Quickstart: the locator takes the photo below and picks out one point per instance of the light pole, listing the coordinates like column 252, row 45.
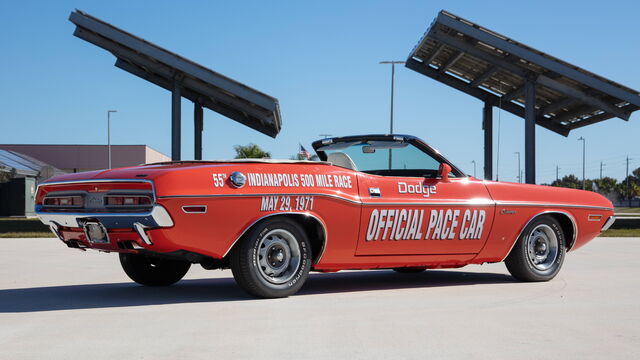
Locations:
column 584, row 142
column 393, row 75
column 109, row 133
column 474, row 167
column 519, row 175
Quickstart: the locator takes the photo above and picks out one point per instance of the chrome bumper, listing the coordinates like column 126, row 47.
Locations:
column 157, row 217
column 608, row 223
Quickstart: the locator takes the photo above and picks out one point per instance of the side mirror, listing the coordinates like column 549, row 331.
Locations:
column 443, row 172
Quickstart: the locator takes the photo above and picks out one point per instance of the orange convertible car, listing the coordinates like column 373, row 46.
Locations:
column 376, row 201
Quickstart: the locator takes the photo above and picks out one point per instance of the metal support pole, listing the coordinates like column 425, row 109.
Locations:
column 519, row 172
column 176, row 97
column 530, row 132
column 583, row 160
column 487, row 126
column 197, row 129
column 393, row 73
column 109, row 134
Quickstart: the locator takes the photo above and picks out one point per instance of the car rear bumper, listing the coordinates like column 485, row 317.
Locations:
column 157, row 217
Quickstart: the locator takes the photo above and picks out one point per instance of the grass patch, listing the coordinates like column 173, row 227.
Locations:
column 22, row 228
column 27, row 235
column 623, row 210
column 621, row 233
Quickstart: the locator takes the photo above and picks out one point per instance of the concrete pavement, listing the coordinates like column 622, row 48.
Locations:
column 59, row 303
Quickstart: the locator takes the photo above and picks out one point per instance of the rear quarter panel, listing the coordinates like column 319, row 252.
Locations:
column 231, row 211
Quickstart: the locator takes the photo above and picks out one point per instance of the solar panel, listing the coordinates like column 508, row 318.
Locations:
column 495, row 68
column 198, row 83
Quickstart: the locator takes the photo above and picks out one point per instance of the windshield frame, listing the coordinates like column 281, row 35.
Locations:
column 412, row 140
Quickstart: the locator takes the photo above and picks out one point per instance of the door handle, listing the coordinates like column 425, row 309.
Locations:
column 374, row 192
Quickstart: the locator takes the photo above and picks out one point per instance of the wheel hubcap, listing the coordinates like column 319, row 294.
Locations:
column 278, row 256
column 542, row 247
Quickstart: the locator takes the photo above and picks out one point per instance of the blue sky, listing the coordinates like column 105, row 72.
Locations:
column 320, row 59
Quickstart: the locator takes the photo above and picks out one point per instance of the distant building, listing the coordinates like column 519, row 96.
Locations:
column 19, row 175
column 22, row 167
column 78, row 158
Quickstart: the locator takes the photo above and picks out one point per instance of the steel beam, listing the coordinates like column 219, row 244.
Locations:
column 176, row 98
column 197, row 131
column 478, row 93
column 435, row 53
column 582, row 96
column 597, row 118
column 484, row 76
column 556, row 106
column 452, row 60
column 512, row 94
column 487, row 126
column 470, row 49
column 530, row 131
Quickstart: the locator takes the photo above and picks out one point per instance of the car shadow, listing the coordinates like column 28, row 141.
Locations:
column 72, row 297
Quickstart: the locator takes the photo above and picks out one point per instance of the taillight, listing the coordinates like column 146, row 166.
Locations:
column 129, row 200
column 63, row 201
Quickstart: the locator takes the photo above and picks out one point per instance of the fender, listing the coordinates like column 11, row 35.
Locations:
column 569, row 216
column 319, row 221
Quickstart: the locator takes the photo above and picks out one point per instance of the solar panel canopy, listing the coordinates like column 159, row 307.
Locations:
column 198, row 83
column 495, row 69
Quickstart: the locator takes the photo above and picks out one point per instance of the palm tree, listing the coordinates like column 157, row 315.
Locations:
column 250, row 151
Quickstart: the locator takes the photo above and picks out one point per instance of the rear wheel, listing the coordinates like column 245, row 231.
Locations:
column 539, row 252
column 153, row 271
column 273, row 259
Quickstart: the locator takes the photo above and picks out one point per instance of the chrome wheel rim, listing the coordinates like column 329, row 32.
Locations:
column 542, row 247
column 278, row 256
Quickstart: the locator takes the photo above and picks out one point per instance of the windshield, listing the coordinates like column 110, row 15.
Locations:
column 383, row 158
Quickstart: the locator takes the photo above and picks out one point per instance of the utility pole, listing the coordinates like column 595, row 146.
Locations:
column 601, row 165
column 519, row 174
column 628, row 190
column 557, row 177
column 474, row 167
column 393, row 75
column 583, row 157
column 109, row 133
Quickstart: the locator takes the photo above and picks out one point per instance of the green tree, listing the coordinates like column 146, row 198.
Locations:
column 606, row 185
column 250, row 151
column 569, row 181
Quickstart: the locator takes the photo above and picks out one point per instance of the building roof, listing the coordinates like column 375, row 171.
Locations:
column 494, row 69
column 24, row 165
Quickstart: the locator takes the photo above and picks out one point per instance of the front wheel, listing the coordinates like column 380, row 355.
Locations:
column 273, row 259
column 151, row 271
column 539, row 252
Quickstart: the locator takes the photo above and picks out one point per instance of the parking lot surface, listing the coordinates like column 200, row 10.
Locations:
column 59, row 303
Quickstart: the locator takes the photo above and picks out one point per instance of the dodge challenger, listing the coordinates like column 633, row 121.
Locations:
column 370, row 202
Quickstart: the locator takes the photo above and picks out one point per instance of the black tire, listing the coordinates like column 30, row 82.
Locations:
column 153, row 271
column 273, row 259
column 409, row 270
column 529, row 259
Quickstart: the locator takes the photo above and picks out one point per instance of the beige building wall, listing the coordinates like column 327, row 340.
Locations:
column 78, row 158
